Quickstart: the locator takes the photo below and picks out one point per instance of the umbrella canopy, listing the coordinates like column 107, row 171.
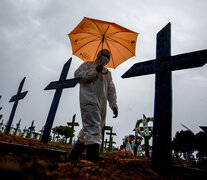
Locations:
column 92, row 35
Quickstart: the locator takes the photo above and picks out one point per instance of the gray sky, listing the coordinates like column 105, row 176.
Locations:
column 34, row 44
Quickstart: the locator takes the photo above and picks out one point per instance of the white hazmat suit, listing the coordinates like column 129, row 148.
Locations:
column 95, row 89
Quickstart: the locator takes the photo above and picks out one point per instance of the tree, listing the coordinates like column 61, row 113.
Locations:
column 65, row 131
column 201, row 143
column 184, row 141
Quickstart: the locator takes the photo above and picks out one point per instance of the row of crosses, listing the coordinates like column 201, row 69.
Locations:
column 26, row 132
column 59, row 86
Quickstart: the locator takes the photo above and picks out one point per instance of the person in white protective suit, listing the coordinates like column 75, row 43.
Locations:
column 96, row 87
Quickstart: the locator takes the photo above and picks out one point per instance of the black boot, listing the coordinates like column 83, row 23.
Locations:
column 92, row 152
column 76, row 151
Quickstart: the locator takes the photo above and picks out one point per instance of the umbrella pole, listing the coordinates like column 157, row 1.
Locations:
column 102, row 47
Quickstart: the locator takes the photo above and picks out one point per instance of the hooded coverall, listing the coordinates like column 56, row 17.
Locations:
column 95, row 89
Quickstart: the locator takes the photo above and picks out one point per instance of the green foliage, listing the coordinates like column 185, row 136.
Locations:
column 201, row 143
column 139, row 121
column 184, row 141
column 65, row 131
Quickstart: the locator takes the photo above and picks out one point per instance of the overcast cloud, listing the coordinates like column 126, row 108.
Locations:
column 34, row 44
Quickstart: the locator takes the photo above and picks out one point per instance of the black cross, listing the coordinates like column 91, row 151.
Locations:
column 20, row 95
column 162, row 67
column 105, row 128
column 17, row 127
column 30, row 130
column 72, row 124
column 111, row 138
column 59, row 86
column 108, row 142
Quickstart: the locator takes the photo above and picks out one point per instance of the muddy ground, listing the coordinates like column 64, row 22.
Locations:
column 32, row 164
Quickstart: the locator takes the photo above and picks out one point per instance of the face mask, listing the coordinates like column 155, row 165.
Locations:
column 105, row 58
column 102, row 60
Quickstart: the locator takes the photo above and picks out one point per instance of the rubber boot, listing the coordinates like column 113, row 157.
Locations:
column 92, row 152
column 76, row 151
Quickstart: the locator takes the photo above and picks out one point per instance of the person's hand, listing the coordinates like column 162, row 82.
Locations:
column 99, row 68
column 115, row 111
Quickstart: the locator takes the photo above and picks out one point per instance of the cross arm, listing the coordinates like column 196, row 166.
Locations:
column 18, row 96
column 63, row 84
column 73, row 124
column 113, row 134
column 107, row 128
column 171, row 63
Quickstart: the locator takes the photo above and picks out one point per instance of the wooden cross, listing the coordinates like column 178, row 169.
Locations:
column 30, row 130
column 111, row 139
column 72, row 124
column 59, row 86
column 20, row 95
column 109, row 142
column 105, row 128
column 162, row 67
column 17, row 127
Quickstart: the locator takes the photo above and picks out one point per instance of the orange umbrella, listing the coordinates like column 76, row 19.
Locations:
column 92, row 35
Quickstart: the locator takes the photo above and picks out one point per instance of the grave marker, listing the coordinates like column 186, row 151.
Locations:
column 59, row 86
column 1, row 125
column 17, row 127
column 30, row 130
column 145, row 132
column 111, row 138
column 162, row 67
column 105, row 128
column 72, row 124
column 20, row 95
